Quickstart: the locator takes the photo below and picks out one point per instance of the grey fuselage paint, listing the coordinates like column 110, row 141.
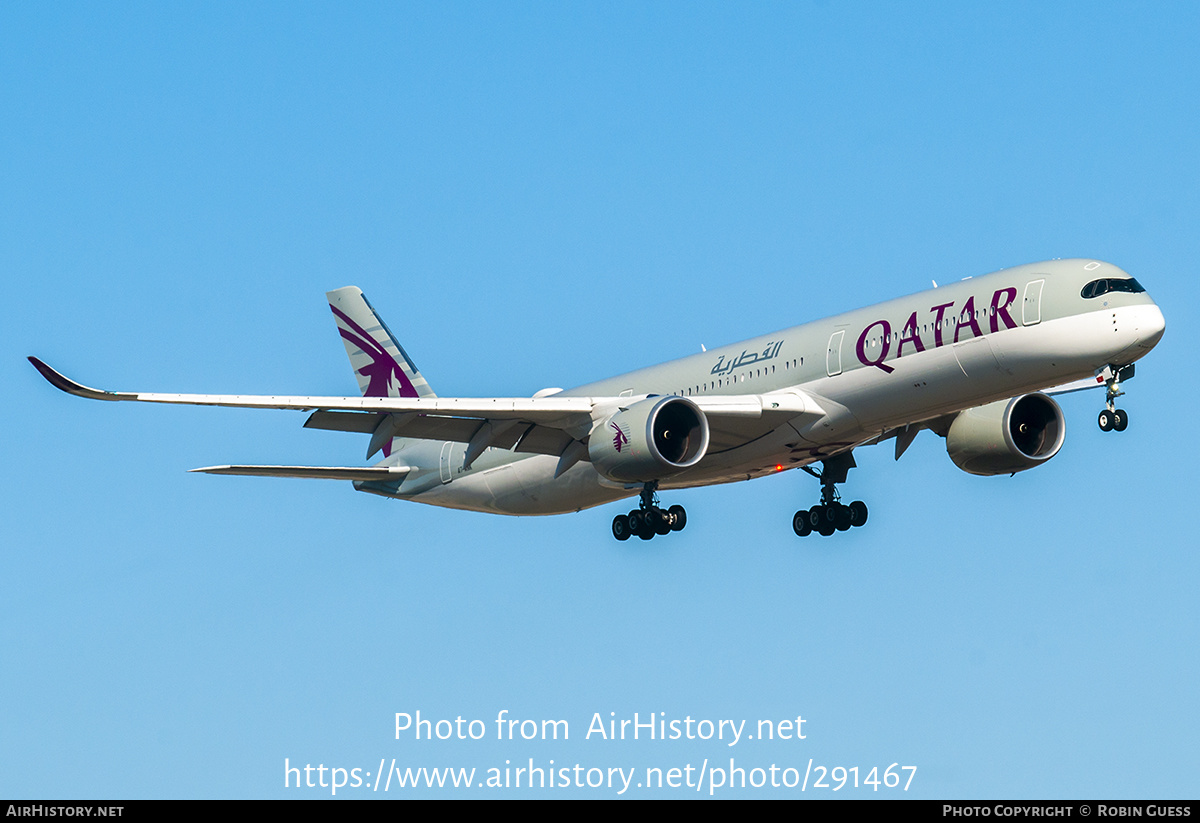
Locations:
column 905, row 361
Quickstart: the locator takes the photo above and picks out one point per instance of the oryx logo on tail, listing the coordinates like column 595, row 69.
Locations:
column 384, row 376
column 380, row 364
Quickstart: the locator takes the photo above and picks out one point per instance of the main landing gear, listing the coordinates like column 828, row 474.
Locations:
column 830, row 514
column 1112, row 418
column 648, row 519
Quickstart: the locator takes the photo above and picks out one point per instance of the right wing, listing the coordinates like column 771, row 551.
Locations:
column 539, row 425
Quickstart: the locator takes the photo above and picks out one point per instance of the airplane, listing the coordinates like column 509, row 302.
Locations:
column 976, row 362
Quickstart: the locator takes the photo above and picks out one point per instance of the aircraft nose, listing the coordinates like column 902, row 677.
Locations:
column 1151, row 326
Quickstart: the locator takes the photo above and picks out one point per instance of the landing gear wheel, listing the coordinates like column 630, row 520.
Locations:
column 678, row 517
column 620, row 527
column 648, row 519
column 1107, row 420
column 1120, row 420
column 822, row 520
column 842, row 519
column 636, row 522
column 831, row 514
column 816, row 516
column 659, row 521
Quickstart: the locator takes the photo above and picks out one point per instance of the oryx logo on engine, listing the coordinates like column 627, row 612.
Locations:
column 620, row 439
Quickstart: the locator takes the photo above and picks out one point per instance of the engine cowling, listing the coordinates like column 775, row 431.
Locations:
column 1006, row 436
column 649, row 440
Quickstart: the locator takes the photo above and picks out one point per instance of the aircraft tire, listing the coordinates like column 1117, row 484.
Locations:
column 800, row 524
column 842, row 519
column 620, row 527
column 1120, row 420
column 858, row 513
column 826, row 528
column 678, row 517
column 653, row 519
column 636, row 521
column 1106, row 421
column 816, row 516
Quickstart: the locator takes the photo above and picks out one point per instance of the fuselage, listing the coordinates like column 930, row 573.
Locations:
column 906, row 361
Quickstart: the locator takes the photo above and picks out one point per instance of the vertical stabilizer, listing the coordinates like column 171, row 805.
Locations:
column 380, row 364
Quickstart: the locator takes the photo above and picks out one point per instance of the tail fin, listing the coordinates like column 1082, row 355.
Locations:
column 382, row 367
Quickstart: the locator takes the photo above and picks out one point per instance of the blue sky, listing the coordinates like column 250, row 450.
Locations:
column 541, row 195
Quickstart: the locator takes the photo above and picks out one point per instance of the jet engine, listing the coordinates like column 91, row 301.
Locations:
column 649, row 440
column 1007, row 436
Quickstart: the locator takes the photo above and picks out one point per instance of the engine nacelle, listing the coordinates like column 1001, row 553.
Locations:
column 649, row 440
column 1006, row 436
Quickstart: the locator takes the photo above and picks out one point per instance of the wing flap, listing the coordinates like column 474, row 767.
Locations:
column 543, row 440
column 342, row 421
column 539, row 440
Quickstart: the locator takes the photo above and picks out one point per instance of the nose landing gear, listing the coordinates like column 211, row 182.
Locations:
column 1112, row 418
column 648, row 519
column 830, row 514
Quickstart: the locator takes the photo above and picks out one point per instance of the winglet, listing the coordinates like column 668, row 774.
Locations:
column 64, row 383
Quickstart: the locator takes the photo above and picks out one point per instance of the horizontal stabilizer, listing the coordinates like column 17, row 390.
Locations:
column 318, row 472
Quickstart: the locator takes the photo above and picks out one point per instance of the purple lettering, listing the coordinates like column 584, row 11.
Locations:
column 911, row 334
column 999, row 311
column 967, row 318
column 937, row 323
column 885, row 346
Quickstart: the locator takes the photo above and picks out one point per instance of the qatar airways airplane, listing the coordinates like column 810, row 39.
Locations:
column 971, row 361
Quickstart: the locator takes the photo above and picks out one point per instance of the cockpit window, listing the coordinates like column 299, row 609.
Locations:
column 1099, row 287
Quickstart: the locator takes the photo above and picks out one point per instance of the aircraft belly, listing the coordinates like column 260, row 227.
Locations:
column 782, row 449
column 525, row 487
